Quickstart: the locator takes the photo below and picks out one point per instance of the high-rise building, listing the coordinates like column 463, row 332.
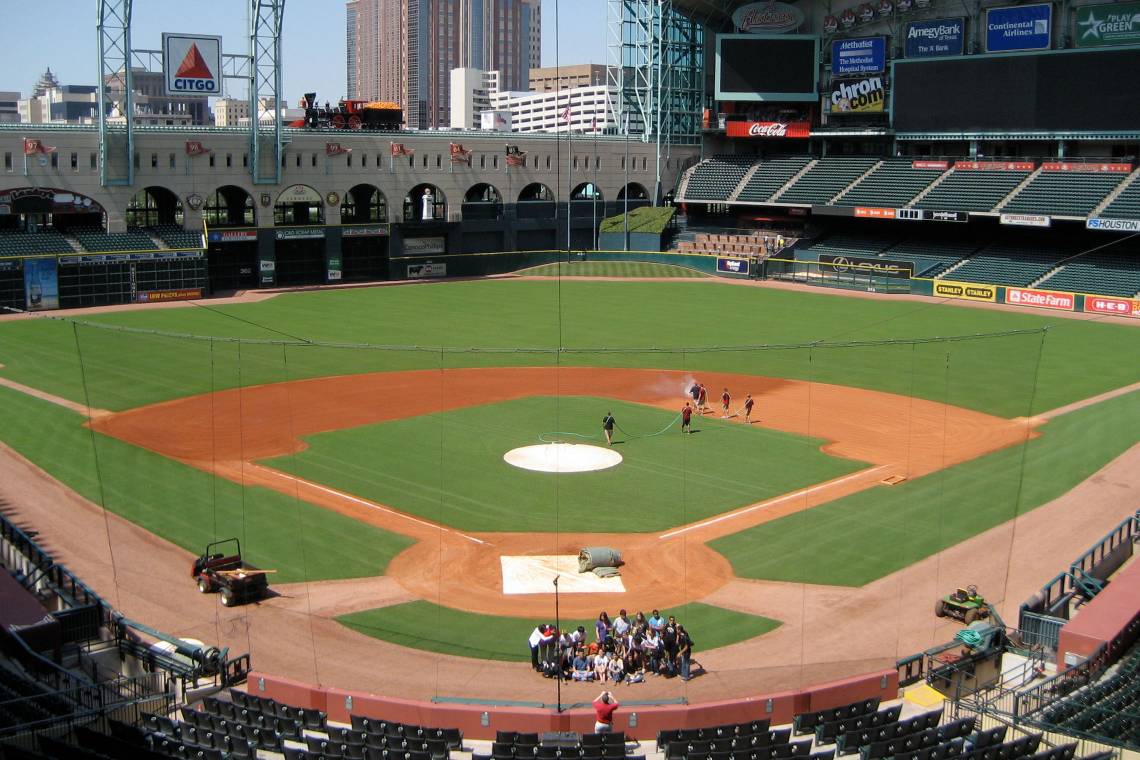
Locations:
column 9, row 107
column 404, row 50
column 554, row 78
column 533, row 16
column 350, row 47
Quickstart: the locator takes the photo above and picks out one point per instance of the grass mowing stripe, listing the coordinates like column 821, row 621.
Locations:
column 663, row 481
column 189, row 507
column 1080, row 359
column 427, row 626
column 860, row 538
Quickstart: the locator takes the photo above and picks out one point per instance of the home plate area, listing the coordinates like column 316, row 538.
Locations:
column 536, row 574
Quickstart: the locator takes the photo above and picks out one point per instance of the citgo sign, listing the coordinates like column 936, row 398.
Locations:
column 192, row 64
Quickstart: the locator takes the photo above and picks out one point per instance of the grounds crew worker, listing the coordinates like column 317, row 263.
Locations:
column 608, row 427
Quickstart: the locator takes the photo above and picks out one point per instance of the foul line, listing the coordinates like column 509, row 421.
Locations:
column 771, row 502
column 362, row 502
column 1061, row 410
column 51, row 398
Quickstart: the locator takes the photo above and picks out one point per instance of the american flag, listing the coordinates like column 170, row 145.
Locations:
column 594, row 124
column 566, row 115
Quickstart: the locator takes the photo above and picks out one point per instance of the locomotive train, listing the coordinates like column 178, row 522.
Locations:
column 372, row 115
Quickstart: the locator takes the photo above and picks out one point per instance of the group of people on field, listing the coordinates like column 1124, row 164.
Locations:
column 624, row 649
column 700, row 405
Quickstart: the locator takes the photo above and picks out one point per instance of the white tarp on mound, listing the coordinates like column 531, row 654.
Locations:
column 535, row 575
column 563, row 457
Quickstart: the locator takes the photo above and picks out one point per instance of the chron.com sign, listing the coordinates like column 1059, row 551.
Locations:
column 192, row 64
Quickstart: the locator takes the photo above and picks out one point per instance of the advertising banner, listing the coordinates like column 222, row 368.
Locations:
column 871, row 212
column 936, row 37
column 863, row 55
column 1115, row 225
column 425, row 245
column 1120, row 307
column 967, row 291
column 364, row 231
column 1041, row 299
column 416, row 271
column 41, row 284
column 994, row 166
column 334, row 268
column 155, row 296
column 902, row 270
column 192, row 64
column 1101, row 25
column 940, row 165
column 767, row 129
column 1019, row 27
column 732, row 266
column 300, row 233
column 1026, row 220
column 929, row 215
column 865, row 95
column 232, row 236
column 1065, row 166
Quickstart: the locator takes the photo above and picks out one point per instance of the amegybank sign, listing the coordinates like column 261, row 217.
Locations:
column 192, row 64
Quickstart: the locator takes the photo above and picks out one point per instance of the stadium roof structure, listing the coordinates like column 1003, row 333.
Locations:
column 708, row 12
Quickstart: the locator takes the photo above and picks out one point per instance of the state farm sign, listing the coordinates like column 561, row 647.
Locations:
column 768, row 129
column 1041, row 299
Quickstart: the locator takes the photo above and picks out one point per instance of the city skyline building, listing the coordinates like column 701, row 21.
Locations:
column 405, row 50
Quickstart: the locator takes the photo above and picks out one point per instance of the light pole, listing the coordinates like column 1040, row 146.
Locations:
column 558, row 630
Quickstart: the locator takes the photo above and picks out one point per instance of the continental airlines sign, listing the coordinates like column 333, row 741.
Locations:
column 192, row 64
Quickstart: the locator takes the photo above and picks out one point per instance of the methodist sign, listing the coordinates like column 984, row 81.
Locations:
column 1019, row 27
column 1100, row 25
column 934, row 38
column 864, row 55
column 192, row 64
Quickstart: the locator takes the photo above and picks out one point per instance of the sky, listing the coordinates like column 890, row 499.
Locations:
column 313, row 39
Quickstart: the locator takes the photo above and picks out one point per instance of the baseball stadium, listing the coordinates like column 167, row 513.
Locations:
column 339, row 439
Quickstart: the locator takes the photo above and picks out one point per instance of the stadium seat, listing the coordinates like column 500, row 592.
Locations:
column 715, row 178
column 773, row 174
column 825, row 180
column 968, row 190
column 892, row 185
column 1063, row 193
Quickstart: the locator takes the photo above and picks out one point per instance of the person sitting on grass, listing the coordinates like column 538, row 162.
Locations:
column 601, row 666
column 616, row 668
column 582, row 671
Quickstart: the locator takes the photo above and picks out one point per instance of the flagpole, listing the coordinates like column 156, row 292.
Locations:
column 595, row 220
column 569, row 172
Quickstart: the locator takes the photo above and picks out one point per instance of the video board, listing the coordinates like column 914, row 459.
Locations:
column 756, row 67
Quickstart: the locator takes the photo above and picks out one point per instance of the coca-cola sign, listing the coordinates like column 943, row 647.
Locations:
column 767, row 18
column 768, row 129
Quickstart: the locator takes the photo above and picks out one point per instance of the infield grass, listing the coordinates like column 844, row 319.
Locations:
column 423, row 625
column 449, row 467
column 189, row 507
column 860, row 538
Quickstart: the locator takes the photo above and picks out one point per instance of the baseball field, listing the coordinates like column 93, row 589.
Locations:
column 354, row 440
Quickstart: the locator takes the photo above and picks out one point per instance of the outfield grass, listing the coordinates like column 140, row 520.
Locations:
column 423, row 625
column 611, row 269
column 449, row 467
column 1002, row 376
column 189, row 507
column 857, row 539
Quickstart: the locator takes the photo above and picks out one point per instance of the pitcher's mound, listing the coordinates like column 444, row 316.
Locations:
column 562, row 457
column 535, row 575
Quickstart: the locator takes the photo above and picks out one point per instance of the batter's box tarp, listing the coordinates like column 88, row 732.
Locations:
column 536, row 574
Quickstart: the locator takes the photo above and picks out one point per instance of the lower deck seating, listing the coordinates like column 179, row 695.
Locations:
column 1126, row 205
column 176, row 237
column 98, row 241
column 930, row 258
column 714, row 179
column 846, row 245
column 15, row 243
column 1009, row 264
column 1102, row 273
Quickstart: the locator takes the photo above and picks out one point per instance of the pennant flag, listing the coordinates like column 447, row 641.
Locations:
column 460, row 155
column 33, row 146
column 196, row 148
column 515, row 157
column 336, row 149
column 398, row 149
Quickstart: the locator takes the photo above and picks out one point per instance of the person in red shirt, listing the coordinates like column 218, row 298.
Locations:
column 748, row 409
column 604, row 707
column 703, row 401
column 687, row 419
column 725, row 400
